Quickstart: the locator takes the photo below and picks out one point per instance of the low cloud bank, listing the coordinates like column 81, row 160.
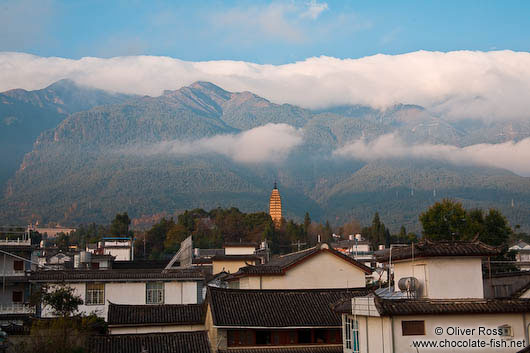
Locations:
column 456, row 85
column 513, row 156
column 265, row 144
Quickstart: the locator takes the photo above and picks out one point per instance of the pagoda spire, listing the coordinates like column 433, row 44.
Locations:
column 275, row 206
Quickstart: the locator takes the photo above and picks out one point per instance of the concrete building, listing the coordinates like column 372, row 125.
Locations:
column 275, row 206
column 317, row 267
column 522, row 255
column 439, row 301
column 98, row 288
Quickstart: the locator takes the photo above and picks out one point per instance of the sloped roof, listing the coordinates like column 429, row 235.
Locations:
column 115, row 275
column 300, row 349
column 175, row 314
column 278, row 265
column 428, row 248
column 178, row 342
column 277, row 308
column 450, row 306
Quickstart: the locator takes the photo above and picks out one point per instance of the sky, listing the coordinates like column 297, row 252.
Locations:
column 263, row 32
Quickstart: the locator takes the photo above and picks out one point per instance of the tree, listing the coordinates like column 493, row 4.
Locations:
column 120, row 225
column 444, row 220
column 62, row 300
column 496, row 229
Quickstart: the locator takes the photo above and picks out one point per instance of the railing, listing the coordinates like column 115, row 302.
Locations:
column 17, row 241
column 17, row 309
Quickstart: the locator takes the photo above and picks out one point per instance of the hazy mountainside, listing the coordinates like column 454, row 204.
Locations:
column 24, row 115
column 107, row 159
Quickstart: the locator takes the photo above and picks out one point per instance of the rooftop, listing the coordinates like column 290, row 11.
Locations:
column 298, row 349
column 175, row 314
column 278, row 265
column 115, row 275
column 277, row 308
column 427, row 248
column 178, row 342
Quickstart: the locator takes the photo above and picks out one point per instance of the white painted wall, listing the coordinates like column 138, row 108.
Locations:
column 375, row 333
column 154, row 329
column 444, row 277
column 239, row 250
column 323, row 270
column 121, row 254
column 7, row 266
column 133, row 293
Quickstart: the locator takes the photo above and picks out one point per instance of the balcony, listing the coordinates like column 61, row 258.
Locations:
column 16, row 309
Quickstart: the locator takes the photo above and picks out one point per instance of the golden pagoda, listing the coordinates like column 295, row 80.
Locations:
column 275, row 207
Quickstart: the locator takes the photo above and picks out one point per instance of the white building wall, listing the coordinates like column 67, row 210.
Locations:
column 239, row 250
column 323, row 270
column 376, row 333
column 121, row 254
column 444, row 277
column 132, row 293
column 154, row 329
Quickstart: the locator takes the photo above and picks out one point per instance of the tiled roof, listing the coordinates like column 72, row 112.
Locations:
column 428, row 248
column 302, row 349
column 278, row 265
column 451, row 306
column 178, row 342
column 277, row 308
column 16, row 248
column 177, row 314
column 115, row 275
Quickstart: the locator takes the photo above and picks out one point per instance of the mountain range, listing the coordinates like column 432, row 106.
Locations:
column 90, row 154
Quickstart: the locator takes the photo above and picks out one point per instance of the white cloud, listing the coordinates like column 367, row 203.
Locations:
column 513, row 156
column 265, row 144
column 460, row 84
column 314, row 9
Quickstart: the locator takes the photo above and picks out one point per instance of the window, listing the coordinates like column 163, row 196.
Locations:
column 351, row 335
column 413, row 328
column 240, row 338
column 154, row 293
column 18, row 265
column 17, row 296
column 95, row 294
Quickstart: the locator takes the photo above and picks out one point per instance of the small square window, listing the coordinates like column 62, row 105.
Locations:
column 17, row 297
column 413, row 328
column 18, row 265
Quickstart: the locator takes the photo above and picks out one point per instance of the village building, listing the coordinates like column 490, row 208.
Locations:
column 522, row 255
column 98, row 288
column 15, row 266
column 317, row 267
column 255, row 321
column 142, row 319
column 440, row 289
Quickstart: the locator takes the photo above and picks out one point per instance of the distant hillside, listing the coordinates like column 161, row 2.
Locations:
column 24, row 115
column 96, row 162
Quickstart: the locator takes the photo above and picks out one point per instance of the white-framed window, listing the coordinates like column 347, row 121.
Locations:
column 351, row 335
column 95, row 294
column 154, row 293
